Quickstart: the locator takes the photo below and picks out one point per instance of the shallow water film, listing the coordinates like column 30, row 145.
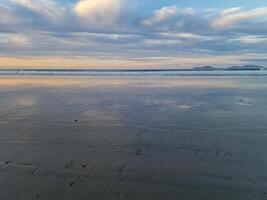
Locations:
column 189, row 138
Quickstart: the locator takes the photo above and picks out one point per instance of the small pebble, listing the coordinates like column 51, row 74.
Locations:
column 7, row 162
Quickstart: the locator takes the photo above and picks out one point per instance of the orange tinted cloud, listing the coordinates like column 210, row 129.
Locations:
column 76, row 62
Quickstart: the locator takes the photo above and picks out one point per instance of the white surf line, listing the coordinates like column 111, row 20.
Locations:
column 132, row 73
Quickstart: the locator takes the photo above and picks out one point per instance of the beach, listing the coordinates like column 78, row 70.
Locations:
column 127, row 138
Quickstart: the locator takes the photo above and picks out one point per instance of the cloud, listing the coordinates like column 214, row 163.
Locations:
column 98, row 12
column 48, row 10
column 253, row 39
column 234, row 16
column 20, row 40
column 179, row 61
column 7, row 16
column 110, row 30
column 230, row 11
column 166, row 13
column 174, row 19
column 14, row 41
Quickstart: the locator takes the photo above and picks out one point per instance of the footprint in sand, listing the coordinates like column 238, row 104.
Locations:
column 119, row 195
column 122, row 170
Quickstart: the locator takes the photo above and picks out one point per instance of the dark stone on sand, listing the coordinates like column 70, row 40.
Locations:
column 71, row 183
column 7, row 162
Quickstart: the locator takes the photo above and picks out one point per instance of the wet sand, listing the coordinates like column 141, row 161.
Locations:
column 190, row 138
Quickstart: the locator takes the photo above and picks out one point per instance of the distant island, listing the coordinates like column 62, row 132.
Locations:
column 245, row 67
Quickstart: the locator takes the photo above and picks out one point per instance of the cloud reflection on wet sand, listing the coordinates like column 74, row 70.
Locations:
column 133, row 138
column 87, row 82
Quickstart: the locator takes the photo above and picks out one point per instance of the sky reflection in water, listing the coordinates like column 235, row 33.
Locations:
column 133, row 137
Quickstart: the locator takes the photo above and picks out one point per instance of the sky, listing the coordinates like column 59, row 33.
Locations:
column 100, row 34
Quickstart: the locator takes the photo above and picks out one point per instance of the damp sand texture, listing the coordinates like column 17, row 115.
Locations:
column 134, row 138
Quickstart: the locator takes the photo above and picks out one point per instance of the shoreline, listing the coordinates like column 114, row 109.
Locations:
column 145, row 72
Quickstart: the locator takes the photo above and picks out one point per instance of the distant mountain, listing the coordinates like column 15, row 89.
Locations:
column 204, row 68
column 245, row 67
